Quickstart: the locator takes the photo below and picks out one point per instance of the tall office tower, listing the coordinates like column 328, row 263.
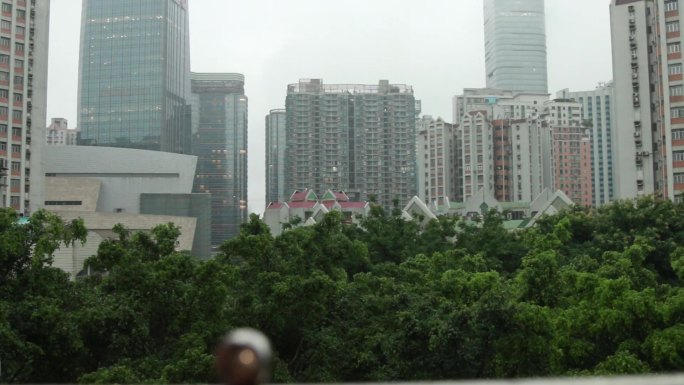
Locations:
column 356, row 138
column 598, row 115
column 570, row 148
column 505, row 152
column 649, row 98
column 436, row 153
column 515, row 45
column 24, row 32
column 134, row 75
column 220, row 142
column 275, row 156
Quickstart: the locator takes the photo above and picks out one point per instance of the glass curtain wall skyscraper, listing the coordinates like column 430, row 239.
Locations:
column 515, row 45
column 220, row 143
column 134, row 74
column 275, row 156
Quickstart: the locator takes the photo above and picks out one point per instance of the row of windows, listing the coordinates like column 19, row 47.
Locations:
column 671, row 5
column 672, row 26
column 15, row 147
column 674, row 47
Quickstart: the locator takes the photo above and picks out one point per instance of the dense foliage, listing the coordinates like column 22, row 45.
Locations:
column 584, row 292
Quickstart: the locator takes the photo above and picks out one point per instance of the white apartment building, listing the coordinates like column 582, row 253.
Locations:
column 58, row 133
column 598, row 114
column 649, row 98
column 437, row 146
column 504, row 148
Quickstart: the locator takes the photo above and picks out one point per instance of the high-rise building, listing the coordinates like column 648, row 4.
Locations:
column 515, row 45
column 504, row 151
column 275, row 156
column 571, row 150
column 220, row 143
column 23, row 98
column 649, row 98
column 58, row 133
column 134, row 75
column 437, row 145
column 598, row 115
column 354, row 138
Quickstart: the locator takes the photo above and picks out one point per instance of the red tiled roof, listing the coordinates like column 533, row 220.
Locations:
column 341, row 196
column 299, row 196
column 275, row 206
column 353, row 205
column 302, row 205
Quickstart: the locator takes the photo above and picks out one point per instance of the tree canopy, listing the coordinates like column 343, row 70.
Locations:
column 584, row 292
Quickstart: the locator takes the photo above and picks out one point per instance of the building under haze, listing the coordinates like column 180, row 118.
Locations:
column 515, row 45
column 598, row 114
column 437, row 152
column 58, row 133
column 360, row 139
column 134, row 75
column 275, row 156
column 649, row 98
column 220, row 143
column 24, row 32
column 504, row 150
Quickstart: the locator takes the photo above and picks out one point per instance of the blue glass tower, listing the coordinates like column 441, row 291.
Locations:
column 134, row 75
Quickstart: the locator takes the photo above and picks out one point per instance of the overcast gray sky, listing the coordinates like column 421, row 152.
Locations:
column 437, row 46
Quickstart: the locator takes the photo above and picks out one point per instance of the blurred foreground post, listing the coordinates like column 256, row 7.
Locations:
column 243, row 357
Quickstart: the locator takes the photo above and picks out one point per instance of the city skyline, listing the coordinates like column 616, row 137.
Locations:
column 431, row 43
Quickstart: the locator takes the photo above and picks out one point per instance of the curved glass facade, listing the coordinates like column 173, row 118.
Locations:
column 134, row 74
column 515, row 45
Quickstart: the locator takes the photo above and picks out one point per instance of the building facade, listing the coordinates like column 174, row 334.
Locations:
column 504, row 150
column 275, row 155
column 515, row 45
column 649, row 98
column 436, row 153
column 58, row 133
column 220, row 143
column 598, row 114
column 134, row 75
column 354, row 138
column 24, row 33
column 571, row 150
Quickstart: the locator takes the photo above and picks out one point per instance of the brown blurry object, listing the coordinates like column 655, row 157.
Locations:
column 243, row 357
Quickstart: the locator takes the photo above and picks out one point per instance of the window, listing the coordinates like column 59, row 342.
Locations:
column 21, row 14
column 16, row 115
column 4, row 42
column 675, row 69
column 18, row 98
column 18, row 80
column 21, row 30
column 3, row 146
column 19, row 47
column 16, row 131
column 4, row 111
column 674, row 47
column 679, row 178
column 677, row 112
column 671, row 5
column 676, row 90
column 18, row 63
column 16, row 149
column 16, row 166
column 678, row 134
column 4, row 94
column 5, row 25
column 63, row 203
column 6, row 8
column 672, row 26
column 678, row 156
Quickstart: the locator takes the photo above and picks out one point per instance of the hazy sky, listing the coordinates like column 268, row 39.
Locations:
column 437, row 46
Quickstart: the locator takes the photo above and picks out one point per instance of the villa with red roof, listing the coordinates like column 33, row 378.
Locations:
column 311, row 209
